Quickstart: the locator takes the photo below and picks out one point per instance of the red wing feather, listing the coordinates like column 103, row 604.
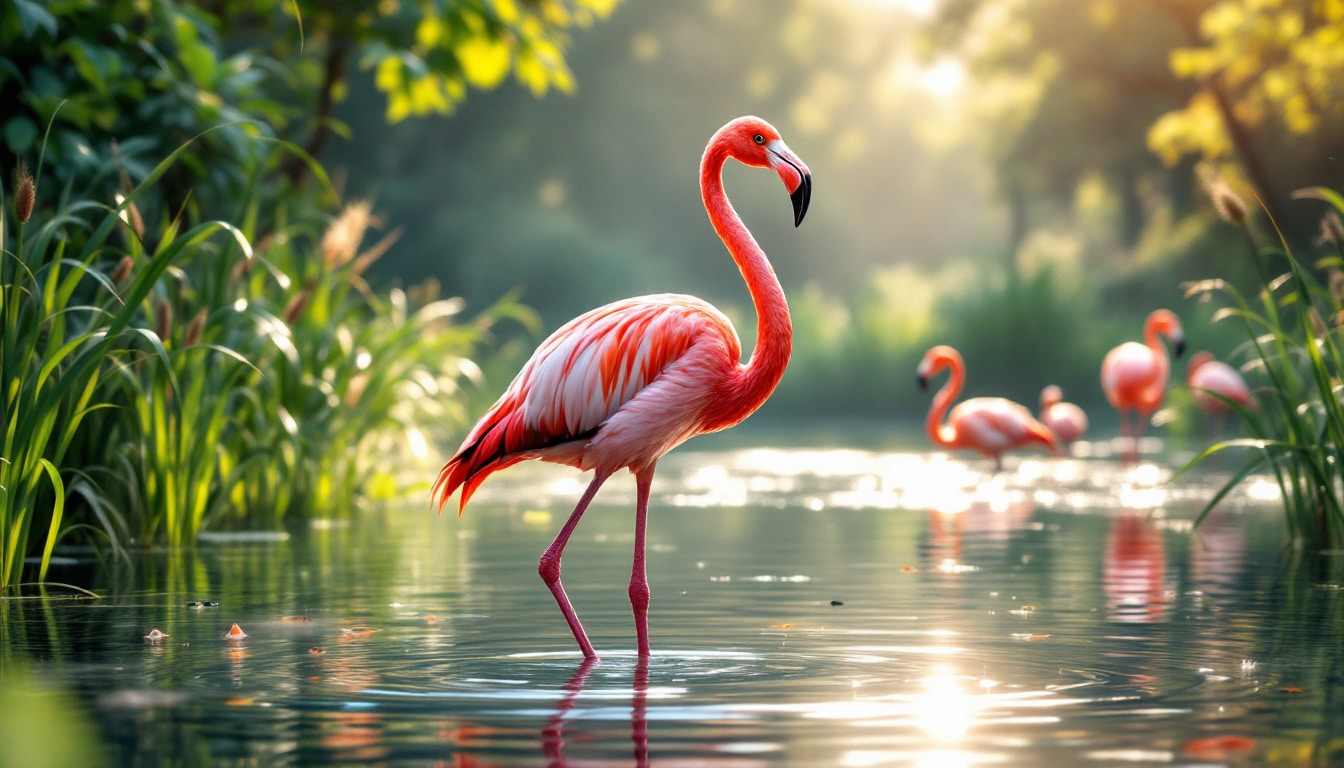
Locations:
column 576, row 380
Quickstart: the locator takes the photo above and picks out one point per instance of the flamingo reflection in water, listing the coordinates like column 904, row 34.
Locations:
column 553, row 735
column 1135, row 569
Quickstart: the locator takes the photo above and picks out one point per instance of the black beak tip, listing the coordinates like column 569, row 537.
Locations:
column 1180, row 347
column 801, row 197
column 923, row 383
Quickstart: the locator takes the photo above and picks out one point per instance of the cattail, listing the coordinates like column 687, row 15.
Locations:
column 195, row 329
column 25, row 192
column 294, row 309
column 122, row 272
column 163, row 318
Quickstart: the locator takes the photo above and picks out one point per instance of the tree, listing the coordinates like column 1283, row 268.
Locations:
column 1270, row 74
column 267, row 68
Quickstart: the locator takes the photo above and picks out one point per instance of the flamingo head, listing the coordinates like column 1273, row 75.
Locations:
column 1165, row 322
column 753, row 141
column 1051, row 395
column 935, row 360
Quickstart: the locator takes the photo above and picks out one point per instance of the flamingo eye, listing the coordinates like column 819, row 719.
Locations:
column 759, row 139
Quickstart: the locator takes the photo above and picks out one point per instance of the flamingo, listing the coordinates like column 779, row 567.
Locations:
column 990, row 425
column 1134, row 376
column 1208, row 377
column 1066, row 420
column 620, row 386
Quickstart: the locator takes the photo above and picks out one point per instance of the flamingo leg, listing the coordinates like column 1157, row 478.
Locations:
column 1140, row 423
column 639, row 582
column 549, row 567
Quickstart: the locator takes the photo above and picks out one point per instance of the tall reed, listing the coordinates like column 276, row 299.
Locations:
column 56, row 345
column 1293, row 345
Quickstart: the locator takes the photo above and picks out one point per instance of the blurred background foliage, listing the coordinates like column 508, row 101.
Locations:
column 328, row 208
column 1024, row 179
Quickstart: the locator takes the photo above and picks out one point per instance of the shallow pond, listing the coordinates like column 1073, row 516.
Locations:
column 814, row 606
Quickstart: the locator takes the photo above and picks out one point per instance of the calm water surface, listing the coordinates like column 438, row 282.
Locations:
column 811, row 606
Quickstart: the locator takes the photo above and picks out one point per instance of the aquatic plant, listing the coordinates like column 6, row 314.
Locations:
column 159, row 378
column 1293, row 345
column 62, row 320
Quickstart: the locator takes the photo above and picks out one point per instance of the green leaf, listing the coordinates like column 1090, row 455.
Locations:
column 20, row 133
column 33, row 16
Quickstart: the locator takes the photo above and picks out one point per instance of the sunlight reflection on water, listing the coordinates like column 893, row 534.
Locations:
column 811, row 607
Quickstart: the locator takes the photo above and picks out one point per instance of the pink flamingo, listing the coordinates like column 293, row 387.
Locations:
column 1134, row 376
column 990, row 425
column 1066, row 420
column 1205, row 375
column 620, row 386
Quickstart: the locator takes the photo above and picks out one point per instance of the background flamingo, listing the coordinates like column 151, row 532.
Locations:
column 1066, row 420
column 1205, row 375
column 623, row 384
column 1134, row 376
column 990, row 425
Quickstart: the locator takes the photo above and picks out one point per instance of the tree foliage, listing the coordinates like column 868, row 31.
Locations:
column 1269, row 72
column 125, row 82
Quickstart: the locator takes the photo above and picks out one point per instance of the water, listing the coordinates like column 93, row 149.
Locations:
column 811, row 607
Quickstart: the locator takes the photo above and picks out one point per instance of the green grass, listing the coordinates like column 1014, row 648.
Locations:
column 1293, row 346
column 162, row 375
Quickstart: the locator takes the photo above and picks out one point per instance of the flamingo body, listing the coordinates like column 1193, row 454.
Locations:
column 1134, row 376
column 1206, row 375
column 990, row 425
column 1066, row 420
column 620, row 386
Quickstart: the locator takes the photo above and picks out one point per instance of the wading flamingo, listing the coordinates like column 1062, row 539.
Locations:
column 1134, row 376
column 1205, row 375
column 990, row 425
column 1066, row 420
column 620, row 386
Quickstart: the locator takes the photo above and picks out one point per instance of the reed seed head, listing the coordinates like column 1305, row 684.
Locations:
column 1229, row 205
column 1332, row 230
column 163, row 318
column 122, row 272
column 294, row 309
column 340, row 243
column 195, row 329
column 25, row 193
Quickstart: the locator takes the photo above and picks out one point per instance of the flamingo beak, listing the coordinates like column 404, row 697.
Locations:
column 801, row 197
column 1179, row 345
column 797, row 178
column 923, row 382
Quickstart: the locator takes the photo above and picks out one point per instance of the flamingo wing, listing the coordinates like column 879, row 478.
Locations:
column 576, row 381
column 995, row 424
column 1220, row 378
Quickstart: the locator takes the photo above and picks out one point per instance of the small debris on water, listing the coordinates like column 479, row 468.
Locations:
column 294, row 619
column 837, row 602
column 235, row 633
column 199, row 604
column 1219, row 748
column 155, row 636
column 316, row 651
column 356, row 633
column 431, row 619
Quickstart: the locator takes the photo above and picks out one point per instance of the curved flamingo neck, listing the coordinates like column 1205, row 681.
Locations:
column 774, row 328
column 940, row 433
